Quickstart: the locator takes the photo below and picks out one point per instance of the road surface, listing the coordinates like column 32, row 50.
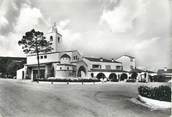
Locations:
column 26, row 99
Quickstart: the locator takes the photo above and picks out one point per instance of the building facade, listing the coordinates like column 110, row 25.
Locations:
column 128, row 62
column 61, row 63
column 165, row 72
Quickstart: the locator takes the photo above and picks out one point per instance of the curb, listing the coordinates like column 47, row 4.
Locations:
column 155, row 103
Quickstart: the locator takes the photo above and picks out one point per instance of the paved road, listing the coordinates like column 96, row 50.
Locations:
column 24, row 99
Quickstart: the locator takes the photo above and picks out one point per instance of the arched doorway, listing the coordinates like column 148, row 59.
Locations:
column 113, row 77
column 134, row 75
column 81, row 72
column 123, row 76
column 100, row 75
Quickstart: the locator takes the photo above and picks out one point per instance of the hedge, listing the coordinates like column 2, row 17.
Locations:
column 160, row 78
column 114, row 80
column 68, row 80
column 130, row 80
column 162, row 93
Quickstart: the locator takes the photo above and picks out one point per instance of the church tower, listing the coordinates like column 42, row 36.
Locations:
column 55, row 38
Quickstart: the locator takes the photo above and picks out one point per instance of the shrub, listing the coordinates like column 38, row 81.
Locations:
column 162, row 93
column 160, row 78
column 130, row 80
column 114, row 80
column 69, row 80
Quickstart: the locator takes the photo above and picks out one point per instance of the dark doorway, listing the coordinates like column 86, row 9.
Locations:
column 42, row 74
column 81, row 72
column 123, row 76
column 113, row 77
column 22, row 74
column 134, row 75
column 100, row 75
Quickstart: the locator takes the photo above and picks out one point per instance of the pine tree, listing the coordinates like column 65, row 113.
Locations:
column 34, row 42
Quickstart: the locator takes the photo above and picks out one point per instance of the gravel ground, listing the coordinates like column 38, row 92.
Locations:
column 27, row 99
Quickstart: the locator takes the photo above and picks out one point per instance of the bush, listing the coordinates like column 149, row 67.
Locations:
column 162, row 93
column 114, row 80
column 160, row 78
column 130, row 80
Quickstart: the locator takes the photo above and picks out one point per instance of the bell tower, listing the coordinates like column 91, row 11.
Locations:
column 55, row 38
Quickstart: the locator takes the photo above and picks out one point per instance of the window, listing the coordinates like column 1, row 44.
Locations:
column 60, row 68
column 108, row 67
column 131, row 60
column 58, row 39
column 96, row 66
column 41, row 57
column 67, row 68
column 51, row 38
column 119, row 67
column 132, row 67
column 45, row 56
column 75, row 57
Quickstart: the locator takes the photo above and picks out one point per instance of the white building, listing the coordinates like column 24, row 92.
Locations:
column 60, row 63
column 128, row 62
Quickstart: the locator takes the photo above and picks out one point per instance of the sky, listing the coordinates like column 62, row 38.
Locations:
column 99, row 28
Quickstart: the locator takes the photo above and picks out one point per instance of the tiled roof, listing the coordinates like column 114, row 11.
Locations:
column 101, row 60
column 131, row 57
column 150, row 71
column 66, row 64
column 141, row 70
column 137, row 70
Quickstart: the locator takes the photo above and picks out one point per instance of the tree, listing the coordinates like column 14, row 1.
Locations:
column 9, row 66
column 35, row 42
column 3, row 64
